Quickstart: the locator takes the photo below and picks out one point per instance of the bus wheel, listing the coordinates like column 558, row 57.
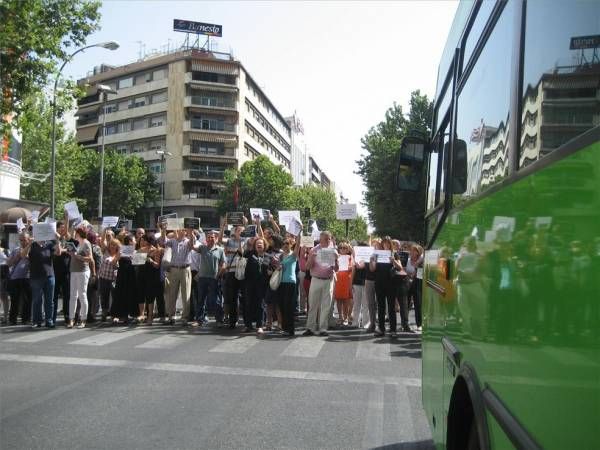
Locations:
column 473, row 442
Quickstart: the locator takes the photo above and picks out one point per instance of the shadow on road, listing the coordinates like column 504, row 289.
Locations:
column 416, row 445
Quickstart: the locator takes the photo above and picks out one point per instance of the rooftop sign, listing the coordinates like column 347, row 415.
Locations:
column 187, row 26
column 581, row 42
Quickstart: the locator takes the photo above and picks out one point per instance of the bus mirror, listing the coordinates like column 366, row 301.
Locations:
column 459, row 167
column 410, row 163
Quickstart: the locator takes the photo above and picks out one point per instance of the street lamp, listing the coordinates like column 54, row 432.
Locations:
column 163, row 154
column 105, row 90
column 110, row 45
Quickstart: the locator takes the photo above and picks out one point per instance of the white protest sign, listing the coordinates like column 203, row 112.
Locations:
column 345, row 211
column 420, row 273
column 383, row 256
column 109, row 222
column 326, row 257
column 50, row 220
column 139, row 258
column 44, row 231
column 258, row 212
column 363, row 254
column 72, row 210
column 127, row 250
column 20, row 225
column 286, row 216
column 294, row 227
column 35, row 216
column 307, row 241
column 344, row 262
column 502, row 221
column 174, row 224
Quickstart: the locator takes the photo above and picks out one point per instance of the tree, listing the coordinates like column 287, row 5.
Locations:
column 259, row 183
column 128, row 185
column 391, row 212
column 34, row 35
column 36, row 128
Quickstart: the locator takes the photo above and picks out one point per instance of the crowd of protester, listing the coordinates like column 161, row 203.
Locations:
column 265, row 280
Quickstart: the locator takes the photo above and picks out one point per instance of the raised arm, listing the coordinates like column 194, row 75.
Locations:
column 274, row 223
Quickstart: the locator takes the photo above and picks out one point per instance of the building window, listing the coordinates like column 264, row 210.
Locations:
column 159, row 74
column 139, row 147
column 138, row 102
column 122, row 149
column 158, row 145
column 140, row 79
column 157, row 121
column 125, row 82
column 208, row 148
column 156, row 168
column 159, row 97
column 140, row 124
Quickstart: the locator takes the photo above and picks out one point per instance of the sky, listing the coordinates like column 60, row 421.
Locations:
column 339, row 65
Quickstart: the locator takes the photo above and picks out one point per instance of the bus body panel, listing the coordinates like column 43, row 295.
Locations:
column 521, row 301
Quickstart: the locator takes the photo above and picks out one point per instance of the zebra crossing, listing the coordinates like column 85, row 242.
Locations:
column 366, row 348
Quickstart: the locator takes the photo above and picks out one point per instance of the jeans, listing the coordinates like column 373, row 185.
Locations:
column 207, row 294
column 19, row 290
column 45, row 287
column 62, row 287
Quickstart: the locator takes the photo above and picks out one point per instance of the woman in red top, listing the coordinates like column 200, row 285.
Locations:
column 343, row 285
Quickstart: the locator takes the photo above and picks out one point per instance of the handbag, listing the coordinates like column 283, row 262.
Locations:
column 275, row 280
column 240, row 268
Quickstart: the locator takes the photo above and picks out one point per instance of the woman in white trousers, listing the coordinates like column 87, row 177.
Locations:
column 80, row 276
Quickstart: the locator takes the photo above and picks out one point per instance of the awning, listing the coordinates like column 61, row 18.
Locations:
column 221, row 112
column 213, row 138
column 215, row 67
column 208, row 158
column 87, row 134
column 214, row 88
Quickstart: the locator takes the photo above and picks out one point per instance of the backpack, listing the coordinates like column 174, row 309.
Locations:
column 240, row 267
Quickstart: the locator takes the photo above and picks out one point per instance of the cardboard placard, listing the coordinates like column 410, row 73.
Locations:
column 345, row 211
column 262, row 214
column 326, row 257
column 124, row 224
column 286, row 216
column 191, row 222
column 72, row 210
column 294, row 227
column 109, row 221
column 128, row 250
column 235, row 218
column 249, row 231
column 35, row 216
column 163, row 219
column 44, row 232
column 307, row 241
column 344, row 262
column 139, row 259
column 363, row 254
column 173, row 224
column 383, row 256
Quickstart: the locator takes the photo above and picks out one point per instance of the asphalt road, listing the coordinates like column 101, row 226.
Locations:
column 169, row 387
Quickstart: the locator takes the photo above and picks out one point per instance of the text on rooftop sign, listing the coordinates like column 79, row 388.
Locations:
column 187, row 26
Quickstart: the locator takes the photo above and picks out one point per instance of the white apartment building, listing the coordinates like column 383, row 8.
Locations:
column 202, row 107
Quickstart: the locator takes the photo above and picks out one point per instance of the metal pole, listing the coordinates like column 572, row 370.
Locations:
column 347, row 225
column 101, row 191
column 162, row 185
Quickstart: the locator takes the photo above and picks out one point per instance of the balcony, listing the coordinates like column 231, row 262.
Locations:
column 197, row 125
column 197, row 154
column 144, row 133
column 135, row 112
column 203, row 175
column 209, row 103
column 209, row 85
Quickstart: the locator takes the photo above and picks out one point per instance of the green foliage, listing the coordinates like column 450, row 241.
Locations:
column 128, row 183
column 398, row 214
column 34, row 34
column 263, row 184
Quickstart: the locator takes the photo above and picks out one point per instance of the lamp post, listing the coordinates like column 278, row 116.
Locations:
column 104, row 90
column 162, row 154
column 111, row 45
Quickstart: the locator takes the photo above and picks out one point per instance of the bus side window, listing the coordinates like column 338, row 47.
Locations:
column 459, row 167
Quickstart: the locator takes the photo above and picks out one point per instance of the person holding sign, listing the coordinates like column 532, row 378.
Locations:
column 360, row 308
column 150, row 276
column 179, row 276
column 80, row 276
column 41, row 271
column 211, row 267
column 322, row 264
column 384, row 289
column 287, row 286
column 257, row 281
column 414, row 269
column 343, row 284
column 18, row 284
column 234, row 288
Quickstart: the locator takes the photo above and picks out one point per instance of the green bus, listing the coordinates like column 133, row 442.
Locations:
column 511, row 284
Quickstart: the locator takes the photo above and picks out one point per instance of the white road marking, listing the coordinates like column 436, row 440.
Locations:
column 367, row 350
column 107, row 337
column 166, row 341
column 404, row 416
column 308, row 347
column 213, row 370
column 373, row 433
column 235, row 345
column 40, row 336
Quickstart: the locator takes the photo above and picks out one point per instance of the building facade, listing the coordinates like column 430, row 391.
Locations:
column 191, row 115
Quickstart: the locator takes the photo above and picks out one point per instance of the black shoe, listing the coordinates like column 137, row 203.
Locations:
column 394, row 334
column 370, row 329
column 407, row 329
column 323, row 333
column 379, row 334
column 307, row 332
